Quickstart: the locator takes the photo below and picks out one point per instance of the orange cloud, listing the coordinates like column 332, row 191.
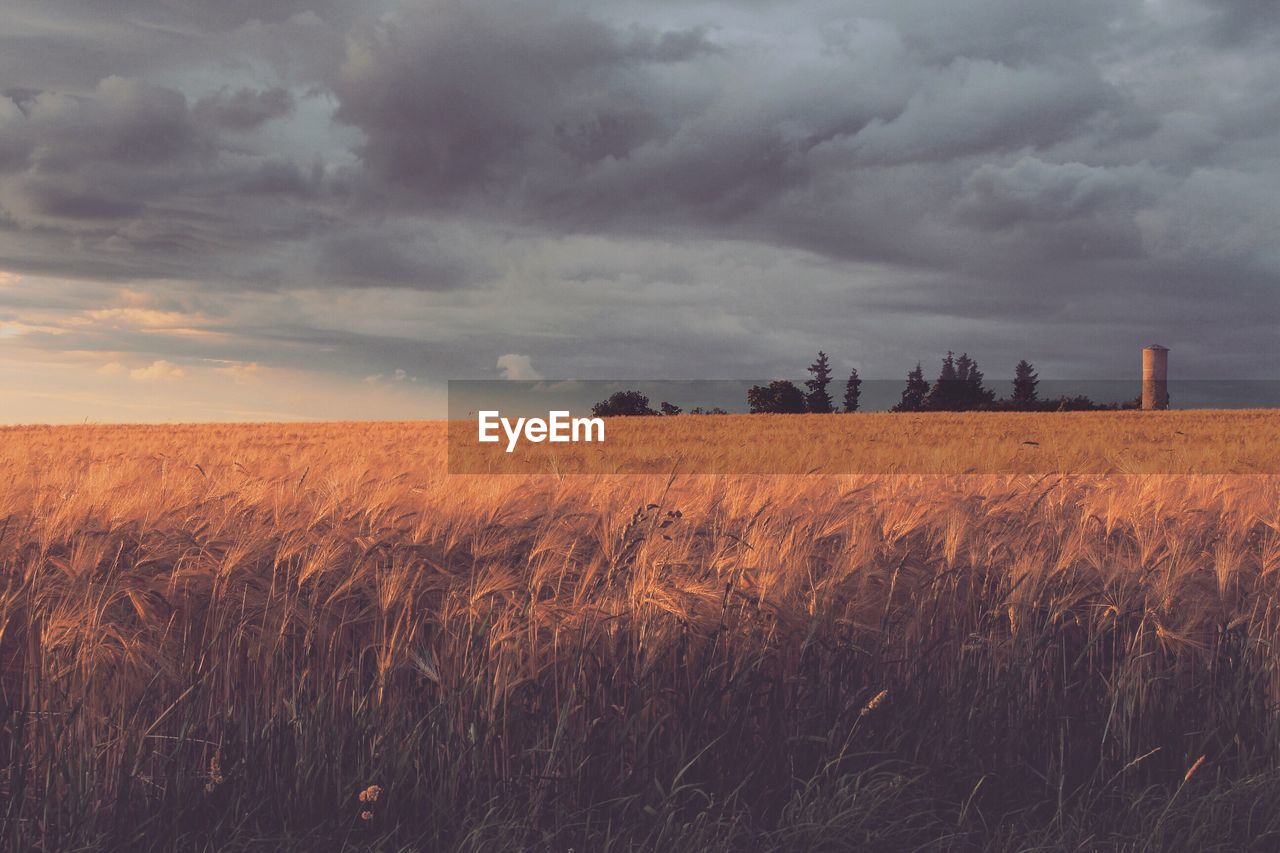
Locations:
column 14, row 329
column 157, row 370
column 137, row 316
column 242, row 371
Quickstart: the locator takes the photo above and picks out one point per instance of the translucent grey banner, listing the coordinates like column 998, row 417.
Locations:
column 731, row 395
column 565, row 427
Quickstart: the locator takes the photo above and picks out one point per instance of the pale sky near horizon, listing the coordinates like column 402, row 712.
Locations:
column 299, row 209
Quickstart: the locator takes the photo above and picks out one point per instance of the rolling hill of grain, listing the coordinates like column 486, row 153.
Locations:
column 313, row 637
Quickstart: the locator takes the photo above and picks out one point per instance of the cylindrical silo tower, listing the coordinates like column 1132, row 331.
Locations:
column 1155, row 377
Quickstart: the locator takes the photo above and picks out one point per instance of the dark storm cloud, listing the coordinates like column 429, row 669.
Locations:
column 122, row 121
column 15, row 154
column 1014, row 32
column 585, row 125
column 1243, row 20
column 461, row 97
column 279, row 177
column 1027, row 175
column 570, row 95
column 1032, row 191
column 198, row 15
column 60, row 200
column 381, row 259
column 128, row 180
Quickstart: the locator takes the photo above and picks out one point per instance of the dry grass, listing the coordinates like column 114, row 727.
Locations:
column 212, row 634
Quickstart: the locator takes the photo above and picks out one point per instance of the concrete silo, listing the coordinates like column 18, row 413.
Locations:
column 1155, row 377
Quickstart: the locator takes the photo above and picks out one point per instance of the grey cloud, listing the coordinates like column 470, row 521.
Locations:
column 975, row 106
column 1220, row 220
column 70, row 45
column 65, row 200
column 1006, row 31
column 128, row 181
column 123, row 121
column 608, row 134
column 382, row 259
column 75, row 59
column 279, row 177
column 441, row 116
column 579, row 128
column 15, row 154
column 353, row 353
column 201, row 14
column 680, row 45
column 244, row 109
column 1239, row 21
column 1033, row 190
column 21, row 97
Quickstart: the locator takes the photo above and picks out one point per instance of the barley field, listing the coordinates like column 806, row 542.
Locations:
column 312, row 637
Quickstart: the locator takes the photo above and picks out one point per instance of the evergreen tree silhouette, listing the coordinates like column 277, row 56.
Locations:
column 959, row 386
column 819, row 401
column 972, row 394
column 914, row 394
column 852, row 391
column 945, row 394
column 1024, row 384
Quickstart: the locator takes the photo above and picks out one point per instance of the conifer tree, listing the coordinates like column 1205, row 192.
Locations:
column 914, row 394
column 818, row 399
column 1024, row 384
column 945, row 393
column 971, row 394
column 852, row 391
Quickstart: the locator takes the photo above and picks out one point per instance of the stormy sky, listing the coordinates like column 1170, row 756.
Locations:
column 252, row 209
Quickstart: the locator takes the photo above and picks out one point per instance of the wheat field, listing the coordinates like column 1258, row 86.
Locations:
column 1127, row 442
column 313, row 637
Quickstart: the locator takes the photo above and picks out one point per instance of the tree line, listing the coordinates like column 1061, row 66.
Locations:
column 958, row 388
